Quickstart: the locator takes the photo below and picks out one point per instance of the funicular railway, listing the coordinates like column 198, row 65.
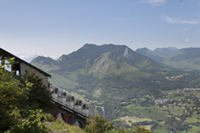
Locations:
column 70, row 102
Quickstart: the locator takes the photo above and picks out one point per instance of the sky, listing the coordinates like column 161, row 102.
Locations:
column 56, row 27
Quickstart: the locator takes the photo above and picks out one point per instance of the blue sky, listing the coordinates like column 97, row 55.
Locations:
column 56, row 27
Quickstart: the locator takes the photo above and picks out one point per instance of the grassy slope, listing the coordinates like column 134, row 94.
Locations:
column 63, row 82
column 60, row 125
column 145, row 112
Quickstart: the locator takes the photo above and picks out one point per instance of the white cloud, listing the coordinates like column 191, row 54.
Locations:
column 154, row 2
column 51, row 56
column 187, row 40
column 179, row 21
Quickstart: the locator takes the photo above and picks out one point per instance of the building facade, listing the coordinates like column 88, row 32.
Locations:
column 20, row 66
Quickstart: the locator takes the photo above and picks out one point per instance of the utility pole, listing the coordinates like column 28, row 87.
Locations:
column 102, row 108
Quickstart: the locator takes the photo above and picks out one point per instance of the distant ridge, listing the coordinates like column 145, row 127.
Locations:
column 151, row 54
column 187, row 58
column 89, row 55
column 165, row 51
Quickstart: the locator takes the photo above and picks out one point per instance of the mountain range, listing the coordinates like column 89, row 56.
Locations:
column 187, row 58
column 124, row 81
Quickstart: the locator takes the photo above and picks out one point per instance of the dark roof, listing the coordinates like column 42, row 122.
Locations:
column 17, row 59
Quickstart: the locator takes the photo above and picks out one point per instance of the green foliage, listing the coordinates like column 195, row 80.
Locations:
column 15, row 117
column 60, row 125
column 9, row 95
column 98, row 124
column 38, row 95
column 172, row 124
column 140, row 129
column 48, row 117
column 31, row 123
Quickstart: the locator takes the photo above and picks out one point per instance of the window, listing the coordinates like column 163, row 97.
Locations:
column 8, row 66
column 64, row 94
column 17, row 72
column 68, row 99
column 60, row 94
column 56, row 91
column 79, row 103
column 72, row 99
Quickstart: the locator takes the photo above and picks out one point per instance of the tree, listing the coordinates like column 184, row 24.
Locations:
column 98, row 124
column 38, row 95
column 12, row 118
column 9, row 95
column 29, row 123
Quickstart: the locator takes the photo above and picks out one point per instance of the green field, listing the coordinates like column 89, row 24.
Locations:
column 145, row 112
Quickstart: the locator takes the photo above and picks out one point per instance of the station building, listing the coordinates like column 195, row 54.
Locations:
column 21, row 66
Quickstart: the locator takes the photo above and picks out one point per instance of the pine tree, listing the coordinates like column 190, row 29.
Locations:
column 9, row 95
column 38, row 95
